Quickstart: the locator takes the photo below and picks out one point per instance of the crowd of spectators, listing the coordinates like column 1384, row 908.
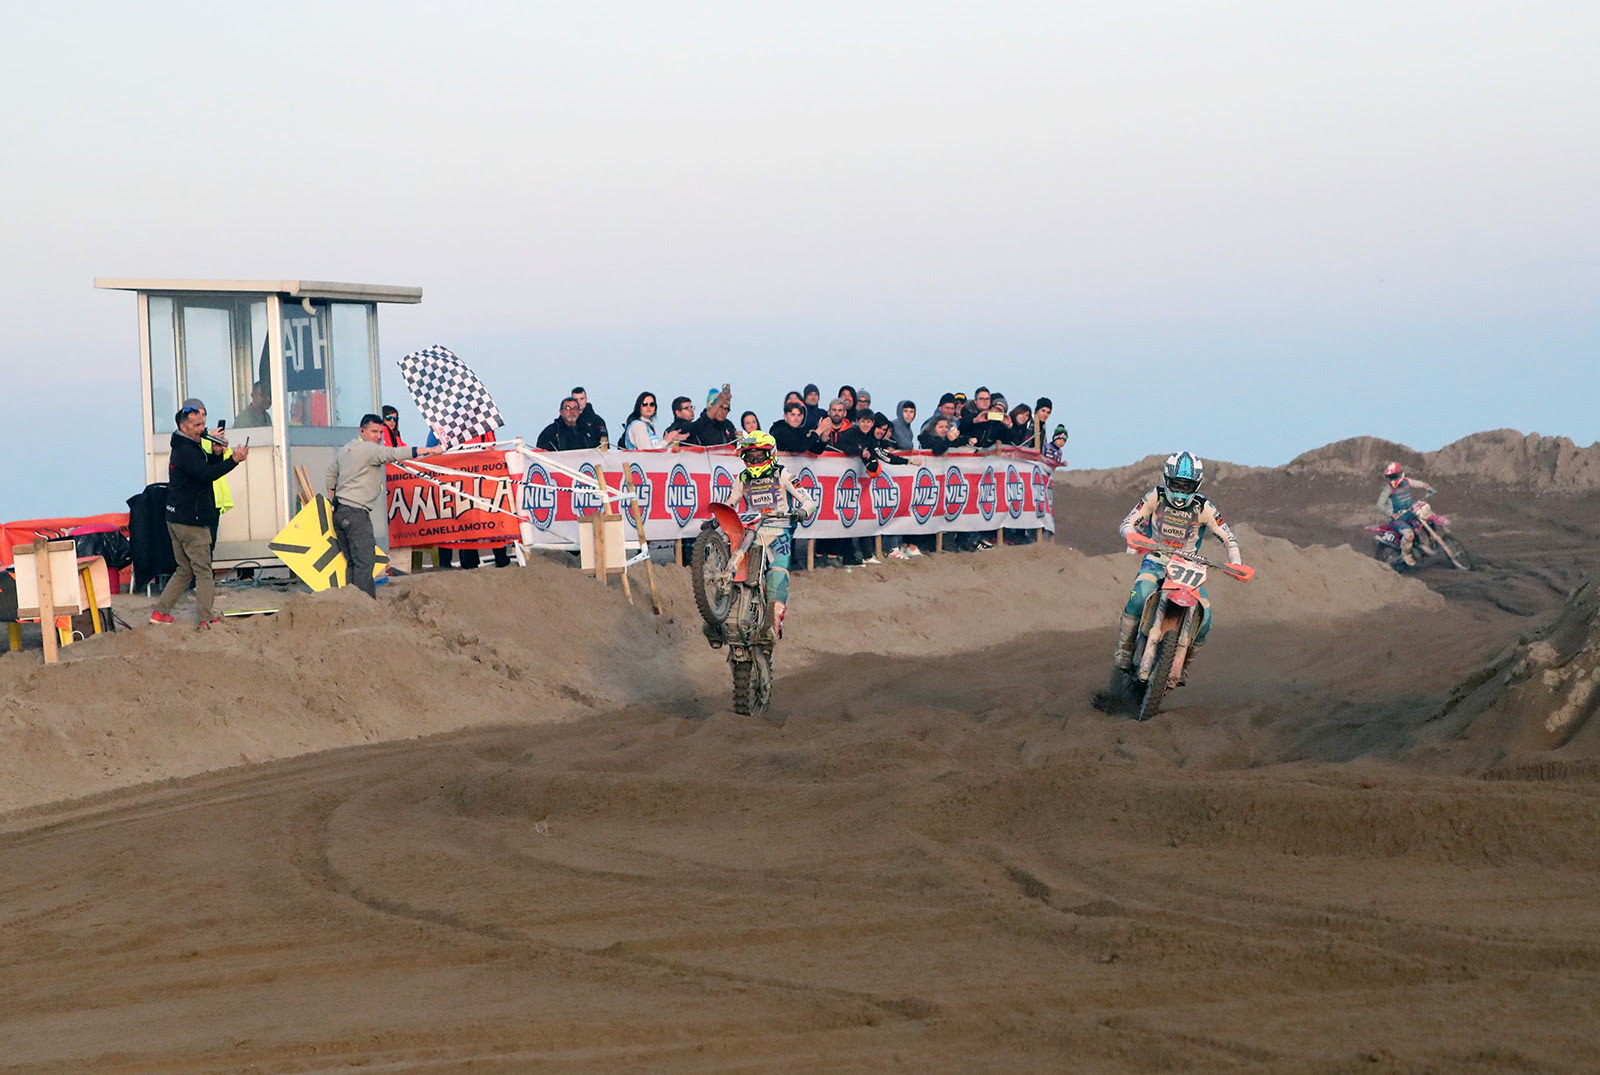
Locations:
column 848, row 425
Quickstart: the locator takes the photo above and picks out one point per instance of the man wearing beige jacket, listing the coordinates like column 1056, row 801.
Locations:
column 356, row 483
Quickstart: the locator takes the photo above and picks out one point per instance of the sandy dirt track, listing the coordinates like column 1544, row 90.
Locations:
column 941, row 859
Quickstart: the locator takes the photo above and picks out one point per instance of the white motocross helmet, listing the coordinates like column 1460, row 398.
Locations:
column 1181, row 476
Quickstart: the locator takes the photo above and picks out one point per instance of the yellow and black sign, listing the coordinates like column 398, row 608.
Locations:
column 311, row 550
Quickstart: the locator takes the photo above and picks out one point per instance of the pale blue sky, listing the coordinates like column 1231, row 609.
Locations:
column 1246, row 228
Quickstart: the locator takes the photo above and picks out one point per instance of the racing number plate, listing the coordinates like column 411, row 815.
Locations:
column 1186, row 573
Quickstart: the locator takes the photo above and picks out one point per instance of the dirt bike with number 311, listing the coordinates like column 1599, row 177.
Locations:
column 1167, row 627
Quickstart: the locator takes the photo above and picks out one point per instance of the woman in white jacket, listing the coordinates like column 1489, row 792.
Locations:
column 639, row 431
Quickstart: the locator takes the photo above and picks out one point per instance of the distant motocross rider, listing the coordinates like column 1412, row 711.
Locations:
column 1397, row 501
column 769, row 492
column 1176, row 516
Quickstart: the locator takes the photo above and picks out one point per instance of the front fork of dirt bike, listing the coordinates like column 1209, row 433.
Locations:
column 1155, row 616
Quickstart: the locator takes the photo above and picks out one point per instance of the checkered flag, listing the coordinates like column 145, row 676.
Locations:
column 452, row 400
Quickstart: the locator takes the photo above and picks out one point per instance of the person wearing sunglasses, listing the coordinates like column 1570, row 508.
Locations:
column 391, row 428
column 639, row 431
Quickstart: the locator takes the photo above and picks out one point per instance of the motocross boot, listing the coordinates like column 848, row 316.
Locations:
column 716, row 635
column 1408, row 548
column 1123, row 657
column 772, row 626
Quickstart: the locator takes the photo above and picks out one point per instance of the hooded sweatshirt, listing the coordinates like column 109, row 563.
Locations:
column 904, row 437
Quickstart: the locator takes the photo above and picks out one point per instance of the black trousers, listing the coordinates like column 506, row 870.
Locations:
column 353, row 528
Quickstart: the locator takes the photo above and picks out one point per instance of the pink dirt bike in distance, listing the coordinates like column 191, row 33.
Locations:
column 1167, row 627
column 1434, row 541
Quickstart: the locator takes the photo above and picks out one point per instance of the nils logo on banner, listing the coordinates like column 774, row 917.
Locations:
column 642, row 489
column 721, row 485
column 683, row 499
column 847, row 498
column 1015, row 492
column 924, row 495
column 988, row 492
column 1041, row 490
column 955, row 494
column 585, row 500
column 807, row 483
column 538, row 496
column 885, row 497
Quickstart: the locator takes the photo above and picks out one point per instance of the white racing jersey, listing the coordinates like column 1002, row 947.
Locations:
column 1177, row 529
column 771, row 496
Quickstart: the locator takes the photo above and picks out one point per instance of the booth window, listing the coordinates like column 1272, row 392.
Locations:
column 352, row 362
column 207, row 349
column 163, row 365
column 305, row 364
column 211, row 348
column 328, row 360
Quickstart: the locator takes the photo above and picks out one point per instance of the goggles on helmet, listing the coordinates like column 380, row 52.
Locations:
column 1183, row 486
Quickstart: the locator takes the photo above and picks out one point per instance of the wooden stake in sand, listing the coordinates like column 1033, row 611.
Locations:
column 601, row 519
column 47, row 600
column 644, row 545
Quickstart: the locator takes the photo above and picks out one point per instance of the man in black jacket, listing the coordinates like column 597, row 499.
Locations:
column 856, row 438
column 566, row 433
column 712, row 427
column 791, row 434
column 589, row 420
column 191, row 512
column 682, row 417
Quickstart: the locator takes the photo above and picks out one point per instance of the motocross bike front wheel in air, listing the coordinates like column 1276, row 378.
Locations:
column 708, row 566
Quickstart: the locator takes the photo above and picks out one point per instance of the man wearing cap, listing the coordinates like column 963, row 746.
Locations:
column 712, row 427
column 356, row 483
column 1058, row 444
column 814, row 412
column 192, row 513
column 946, row 410
column 1041, row 422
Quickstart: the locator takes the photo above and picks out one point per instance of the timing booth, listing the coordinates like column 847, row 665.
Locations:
column 290, row 365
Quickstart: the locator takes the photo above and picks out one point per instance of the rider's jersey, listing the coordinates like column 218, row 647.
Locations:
column 771, row 495
column 1394, row 500
column 1179, row 529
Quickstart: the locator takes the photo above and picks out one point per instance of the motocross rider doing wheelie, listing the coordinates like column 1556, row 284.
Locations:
column 770, row 492
column 1177, row 517
column 1397, row 500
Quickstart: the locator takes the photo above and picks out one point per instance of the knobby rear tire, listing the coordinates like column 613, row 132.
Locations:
column 1389, row 555
column 707, row 561
column 1156, row 688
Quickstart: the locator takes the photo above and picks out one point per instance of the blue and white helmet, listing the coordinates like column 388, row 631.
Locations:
column 1181, row 476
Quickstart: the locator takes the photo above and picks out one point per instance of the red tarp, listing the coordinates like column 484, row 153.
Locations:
column 24, row 531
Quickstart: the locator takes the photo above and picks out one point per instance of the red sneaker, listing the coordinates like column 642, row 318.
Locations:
column 211, row 623
column 161, row 617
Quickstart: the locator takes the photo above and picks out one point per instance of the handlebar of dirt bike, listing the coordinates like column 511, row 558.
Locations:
column 1140, row 543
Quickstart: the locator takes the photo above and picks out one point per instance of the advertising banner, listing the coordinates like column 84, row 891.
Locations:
column 930, row 494
column 421, row 513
